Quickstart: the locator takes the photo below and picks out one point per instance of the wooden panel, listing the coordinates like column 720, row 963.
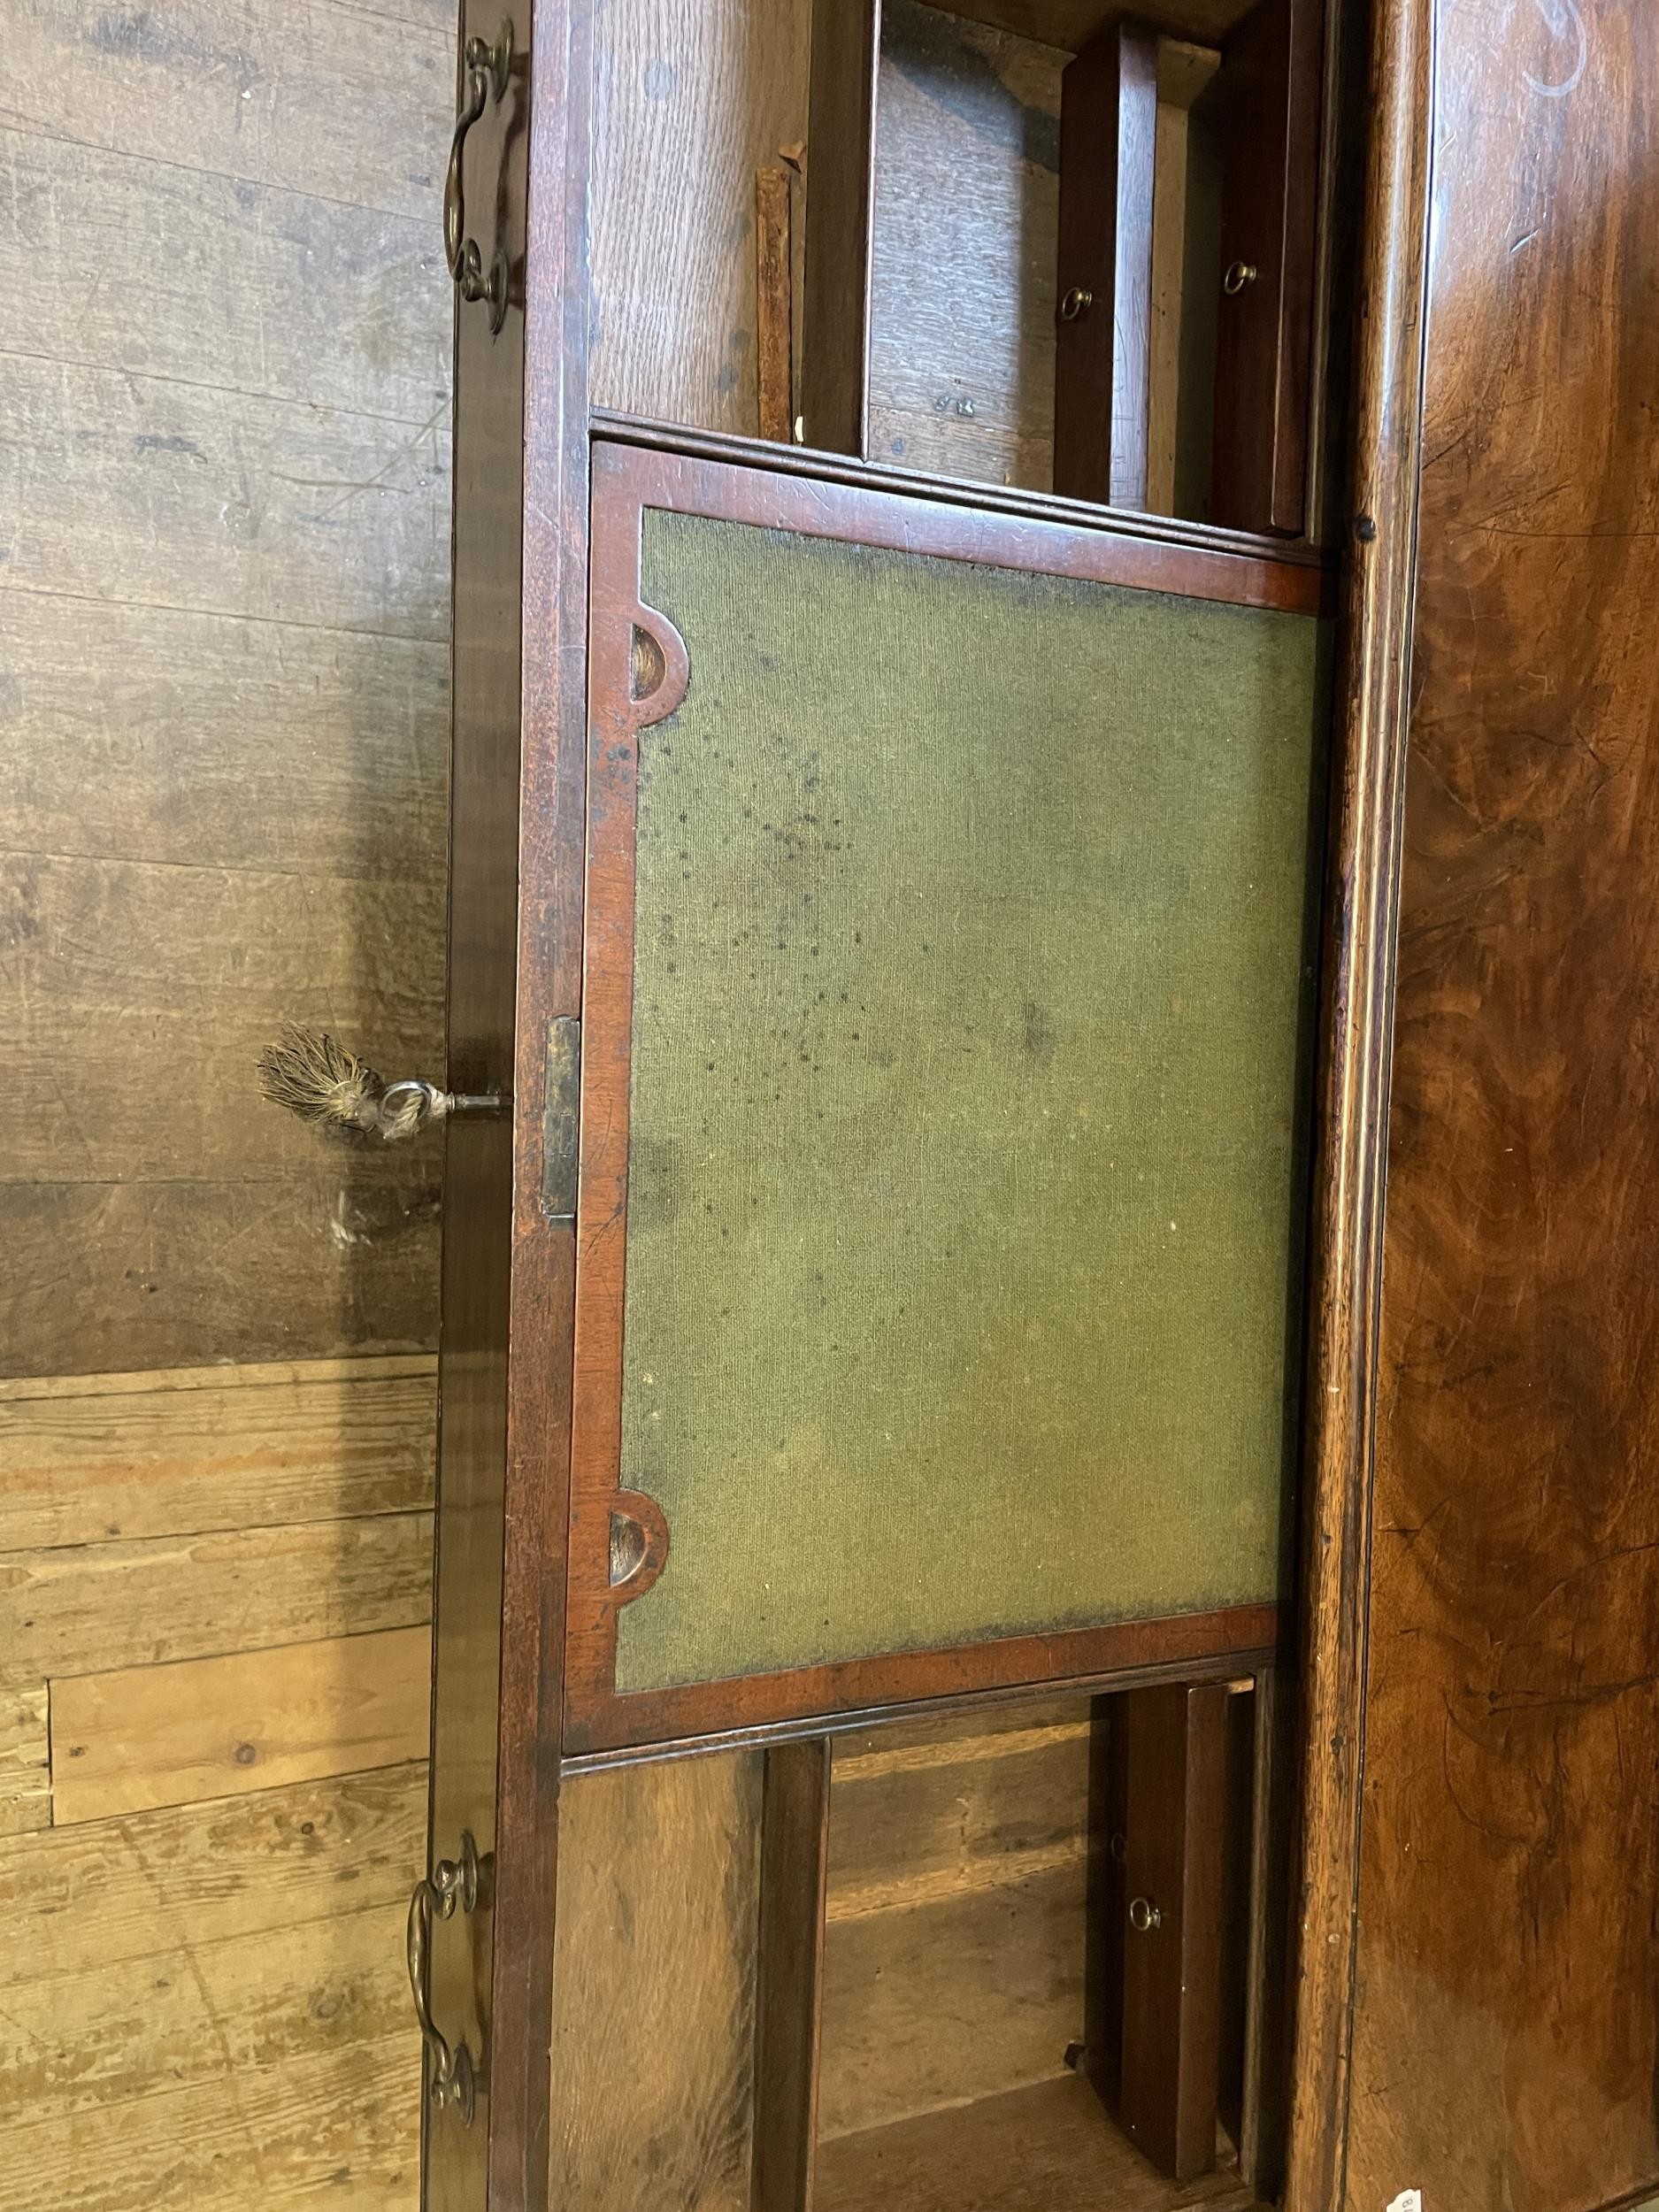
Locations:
column 167, row 271
column 693, row 97
column 653, row 2016
column 840, row 177
column 206, row 2012
column 1507, row 2029
column 967, row 213
column 143, row 1603
column 1174, row 1748
column 229, row 502
column 1103, row 353
column 259, row 1864
column 1048, row 2149
column 954, row 1950
column 929, row 2004
column 774, row 295
column 297, row 2131
column 316, row 752
column 1268, row 96
column 165, row 1272
column 789, row 1973
column 139, row 1737
column 256, row 93
column 187, row 1449
column 25, row 1781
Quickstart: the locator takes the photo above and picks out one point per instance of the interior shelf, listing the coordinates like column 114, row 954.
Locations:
column 1046, row 2149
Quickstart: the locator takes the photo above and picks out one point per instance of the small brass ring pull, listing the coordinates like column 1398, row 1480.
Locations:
column 1239, row 275
column 488, row 68
column 1077, row 302
column 451, row 2079
column 1143, row 1915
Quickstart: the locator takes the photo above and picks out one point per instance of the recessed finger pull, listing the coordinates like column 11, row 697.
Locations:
column 311, row 1074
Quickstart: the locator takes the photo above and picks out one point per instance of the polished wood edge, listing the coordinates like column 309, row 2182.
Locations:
column 553, row 722
column 968, row 494
column 1226, row 1666
column 878, row 514
column 1359, row 959
column 808, row 1699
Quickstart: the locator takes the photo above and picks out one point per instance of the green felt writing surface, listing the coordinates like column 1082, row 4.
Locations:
column 972, row 995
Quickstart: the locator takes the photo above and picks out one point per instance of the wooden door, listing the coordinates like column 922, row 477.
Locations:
column 1507, row 2020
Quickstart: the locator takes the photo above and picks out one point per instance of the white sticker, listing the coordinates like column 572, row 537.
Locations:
column 1407, row 2201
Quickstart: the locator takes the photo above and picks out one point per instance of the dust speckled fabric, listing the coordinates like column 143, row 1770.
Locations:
column 972, row 997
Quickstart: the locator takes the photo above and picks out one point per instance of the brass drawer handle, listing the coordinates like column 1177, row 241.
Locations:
column 315, row 1077
column 1144, row 1915
column 450, row 2076
column 488, row 69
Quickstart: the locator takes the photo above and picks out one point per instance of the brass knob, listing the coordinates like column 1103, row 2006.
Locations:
column 1239, row 275
column 1143, row 1914
column 314, row 1076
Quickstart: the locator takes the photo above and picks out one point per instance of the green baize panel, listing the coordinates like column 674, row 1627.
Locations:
column 967, row 1156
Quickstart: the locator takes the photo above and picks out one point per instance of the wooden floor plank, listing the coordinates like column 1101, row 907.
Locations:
column 336, row 1441
column 108, row 1891
column 169, row 272
column 141, row 1737
column 328, row 99
column 208, row 2012
column 291, row 749
column 85, row 1608
column 305, row 2130
column 187, row 497
column 25, row 1781
column 207, row 968
column 104, row 1276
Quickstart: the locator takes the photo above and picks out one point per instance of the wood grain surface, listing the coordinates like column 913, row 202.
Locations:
column 223, row 616
column 967, row 202
column 692, row 97
column 1507, row 2028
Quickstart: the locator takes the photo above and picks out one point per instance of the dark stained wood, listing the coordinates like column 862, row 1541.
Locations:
column 1270, row 1949
column 1346, row 1243
column 1507, row 2026
column 789, row 1971
column 1268, row 95
column 774, row 302
column 473, row 1370
column 840, row 189
column 507, row 1268
column 1173, row 1797
column 1103, row 351
column 1107, row 1904
column 972, row 498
